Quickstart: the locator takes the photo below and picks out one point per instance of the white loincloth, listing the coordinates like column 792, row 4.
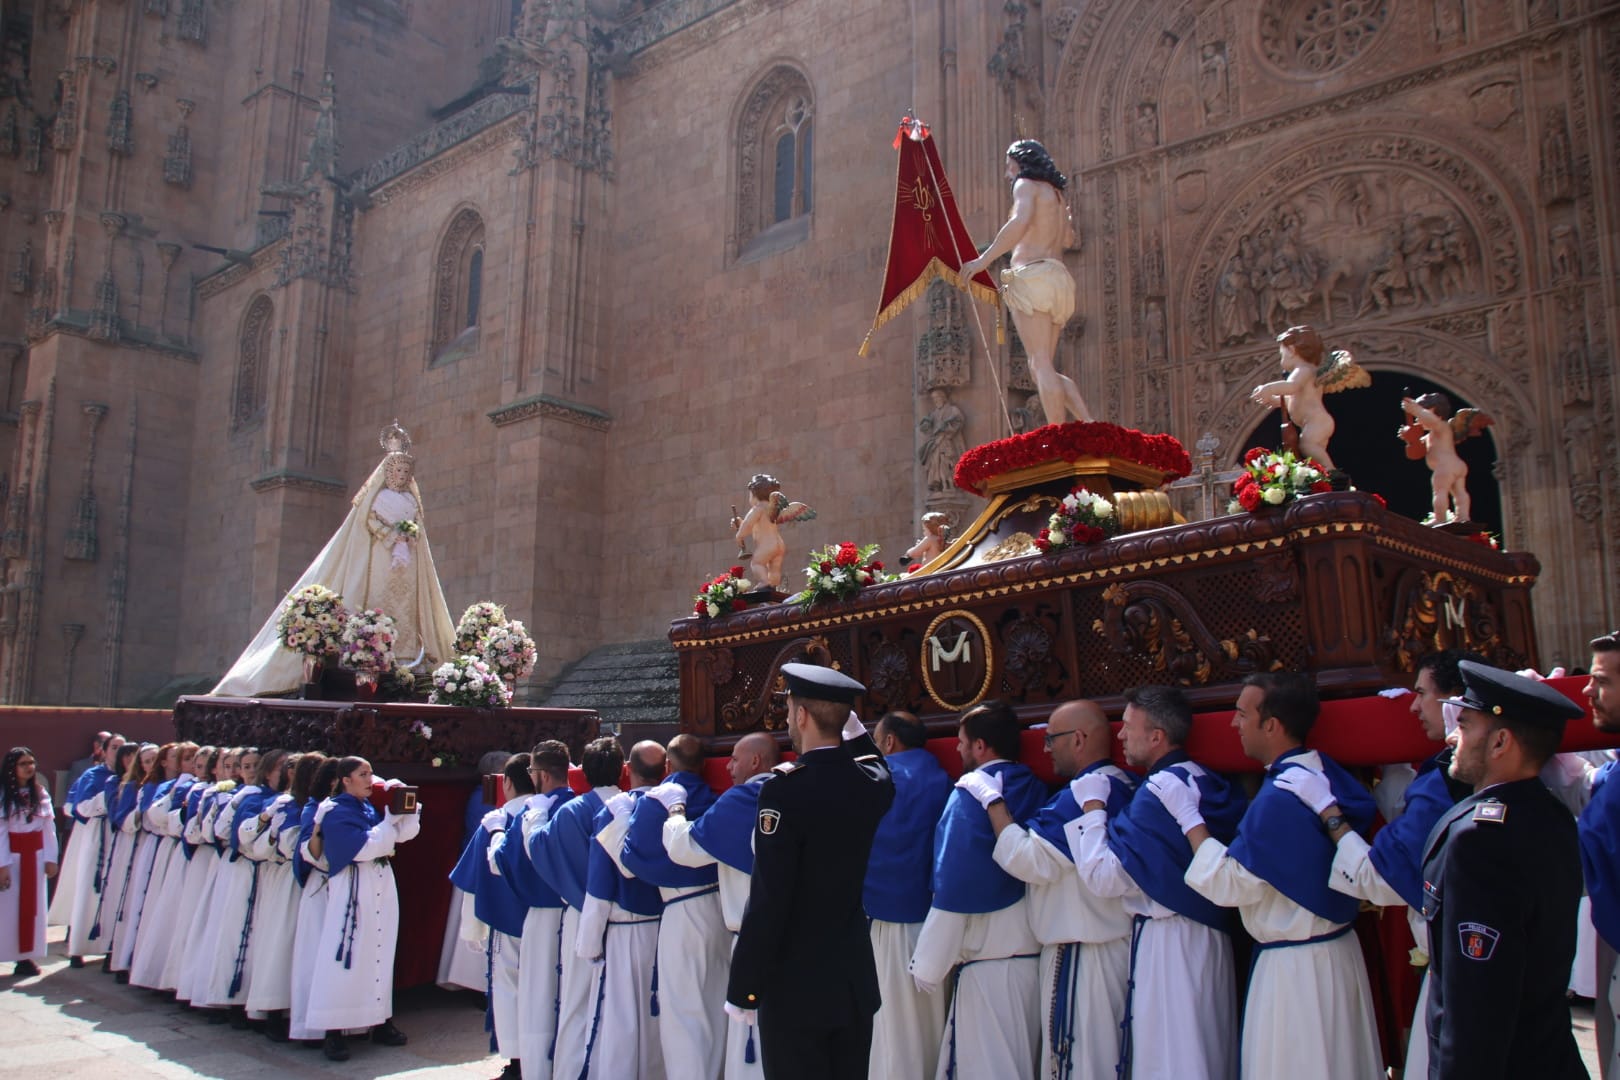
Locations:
column 1043, row 286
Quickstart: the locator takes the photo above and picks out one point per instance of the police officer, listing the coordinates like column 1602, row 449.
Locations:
column 803, row 962
column 1502, row 884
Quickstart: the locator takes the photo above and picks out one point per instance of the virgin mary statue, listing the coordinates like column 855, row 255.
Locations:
column 379, row 558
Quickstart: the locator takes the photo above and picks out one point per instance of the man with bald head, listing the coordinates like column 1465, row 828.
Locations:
column 618, row 934
column 722, row 839
column 1085, row 938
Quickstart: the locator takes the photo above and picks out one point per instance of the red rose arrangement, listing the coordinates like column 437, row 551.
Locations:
column 839, row 571
column 1083, row 518
column 722, row 595
column 1487, row 539
column 1070, row 442
column 1272, row 478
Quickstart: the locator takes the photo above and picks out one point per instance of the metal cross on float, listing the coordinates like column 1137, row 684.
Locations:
column 1205, row 477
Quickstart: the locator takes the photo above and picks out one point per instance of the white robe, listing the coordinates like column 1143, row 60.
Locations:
column 992, row 1030
column 1309, row 1009
column 312, row 904
column 539, row 987
column 144, row 871
column 10, row 899
column 115, row 884
column 235, row 882
column 461, row 964
column 275, row 916
column 742, row 1039
column 195, row 940
column 505, row 975
column 1096, row 933
column 93, row 869
column 81, row 842
column 360, row 995
column 160, row 918
column 624, row 1037
column 909, row 1026
column 1184, row 1006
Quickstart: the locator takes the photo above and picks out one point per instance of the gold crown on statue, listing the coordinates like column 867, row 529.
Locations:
column 395, row 439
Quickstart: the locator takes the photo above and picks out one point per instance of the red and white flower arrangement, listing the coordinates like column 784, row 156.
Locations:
column 368, row 641
column 722, row 595
column 509, row 650
column 478, row 620
column 312, row 620
column 1272, row 478
column 839, row 571
column 1083, row 518
column 1486, row 539
column 470, row 682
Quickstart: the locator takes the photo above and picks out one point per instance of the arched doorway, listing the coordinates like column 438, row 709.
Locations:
column 1366, row 445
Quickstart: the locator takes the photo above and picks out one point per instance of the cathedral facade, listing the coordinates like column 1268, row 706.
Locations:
column 607, row 260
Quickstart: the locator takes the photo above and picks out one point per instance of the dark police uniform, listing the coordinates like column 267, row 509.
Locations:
column 1502, row 885
column 804, row 955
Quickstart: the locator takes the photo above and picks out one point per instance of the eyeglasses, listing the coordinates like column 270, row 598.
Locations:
column 1052, row 736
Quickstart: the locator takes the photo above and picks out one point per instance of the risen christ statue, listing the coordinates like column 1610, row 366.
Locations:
column 1037, row 287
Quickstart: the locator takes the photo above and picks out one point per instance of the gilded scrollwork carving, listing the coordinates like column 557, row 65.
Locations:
column 1147, row 619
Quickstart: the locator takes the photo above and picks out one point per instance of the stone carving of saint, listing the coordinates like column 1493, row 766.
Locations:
column 378, row 558
column 1147, row 125
column 942, row 444
column 1212, row 80
column 1153, row 327
column 1236, row 310
column 1566, row 256
column 1557, row 164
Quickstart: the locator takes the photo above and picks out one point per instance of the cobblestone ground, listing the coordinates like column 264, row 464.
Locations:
column 70, row 1024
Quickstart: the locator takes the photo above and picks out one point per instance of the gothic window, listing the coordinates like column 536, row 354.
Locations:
column 252, row 365
column 1312, row 37
column 775, row 164
column 458, row 289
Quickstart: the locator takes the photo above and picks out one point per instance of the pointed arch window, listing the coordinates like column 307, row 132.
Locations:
column 250, row 390
column 458, row 290
column 775, row 165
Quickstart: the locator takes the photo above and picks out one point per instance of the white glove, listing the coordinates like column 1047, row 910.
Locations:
column 1092, row 787
column 1178, row 796
column 494, row 821
column 737, row 1012
column 853, row 728
column 923, row 985
column 321, row 810
column 671, row 794
column 533, row 821
column 1450, row 716
column 282, row 800
column 390, row 785
column 1563, row 771
column 620, row 806
column 982, row 786
column 1309, row 787
column 131, row 820
column 241, row 793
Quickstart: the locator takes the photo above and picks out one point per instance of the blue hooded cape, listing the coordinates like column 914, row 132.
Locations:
column 513, row 859
column 344, row 830
column 1600, row 853
column 603, row 880
column 252, row 805
column 1282, row 841
column 86, row 786
column 727, row 830
column 899, row 875
column 1061, row 808
column 1397, row 850
column 122, row 800
column 306, row 829
column 699, row 795
column 560, row 849
column 495, row 902
column 1154, row 851
column 643, row 851
column 966, row 877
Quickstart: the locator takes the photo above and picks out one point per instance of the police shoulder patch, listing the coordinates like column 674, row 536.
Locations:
column 1478, row 941
column 1494, row 812
column 768, row 821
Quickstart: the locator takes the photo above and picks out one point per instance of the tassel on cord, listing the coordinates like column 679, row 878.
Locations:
column 489, row 991
column 247, row 936
column 596, row 1017
column 556, row 1000
column 653, row 1007
column 748, row 1048
column 351, row 920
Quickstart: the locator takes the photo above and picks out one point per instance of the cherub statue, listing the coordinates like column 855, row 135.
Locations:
column 768, row 509
column 1443, row 429
column 936, row 530
column 1310, row 376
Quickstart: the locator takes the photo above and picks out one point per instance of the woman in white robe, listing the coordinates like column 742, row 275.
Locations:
column 190, row 961
column 160, row 912
column 142, row 848
column 372, row 563
column 124, row 829
column 28, row 855
column 272, row 836
column 312, row 899
column 87, row 934
column 352, row 985
column 227, row 939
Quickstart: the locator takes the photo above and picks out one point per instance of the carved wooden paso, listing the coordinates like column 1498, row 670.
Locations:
column 1332, row 583
column 379, row 732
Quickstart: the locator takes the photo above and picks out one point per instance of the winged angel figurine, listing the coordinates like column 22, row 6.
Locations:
column 1439, row 428
column 1299, row 396
column 768, row 509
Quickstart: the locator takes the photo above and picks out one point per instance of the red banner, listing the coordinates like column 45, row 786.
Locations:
column 927, row 239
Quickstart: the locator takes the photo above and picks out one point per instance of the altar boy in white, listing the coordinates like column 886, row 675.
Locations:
column 1309, row 1009
column 1085, row 939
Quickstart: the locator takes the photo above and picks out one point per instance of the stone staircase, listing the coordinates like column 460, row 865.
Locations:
column 632, row 682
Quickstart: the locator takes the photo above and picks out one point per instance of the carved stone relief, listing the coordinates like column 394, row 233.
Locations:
column 941, row 442
column 942, row 351
column 82, row 543
column 1313, row 37
column 119, row 139
column 65, row 128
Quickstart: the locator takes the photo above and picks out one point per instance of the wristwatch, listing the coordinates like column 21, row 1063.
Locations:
column 1334, row 823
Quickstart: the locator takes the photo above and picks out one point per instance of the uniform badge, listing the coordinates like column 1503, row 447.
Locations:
column 1478, row 940
column 1494, row 812
column 768, row 821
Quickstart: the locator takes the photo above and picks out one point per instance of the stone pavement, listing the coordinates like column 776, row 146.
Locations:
column 72, row 1024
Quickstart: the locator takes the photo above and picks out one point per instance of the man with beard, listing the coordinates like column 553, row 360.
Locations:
column 803, row 961
column 1502, row 887
column 1389, row 871
column 1600, row 847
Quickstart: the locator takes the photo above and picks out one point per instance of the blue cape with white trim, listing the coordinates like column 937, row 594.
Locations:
column 518, row 870
column 699, row 795
column 899, row 875
column 1600, row 853
column 966, row 878
column 344, row 830
column 643, row 851
column 727, row 830
column 1397, row 850
column 495, row 902
column 1062, row 809
column 603, row 880
column 560, row 849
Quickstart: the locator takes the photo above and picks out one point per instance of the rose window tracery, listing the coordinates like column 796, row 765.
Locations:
column 1313, row 37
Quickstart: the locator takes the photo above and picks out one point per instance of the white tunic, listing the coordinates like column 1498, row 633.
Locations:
column 160, row 911
column 92, row 869
column 312, row 904
column 909, row 1026
column 1183, row 1009
column 624, row 1041
column 81, row 841
column 361, row 994
column 124, row 839
column 993, row 1029
column 144, row 872
column 1089, row 936
column 185, row 957
column 275, row 915
column 505, row 973
column 229, row 918
column 539, row 962
column 1309, row 1009
column 43, row 821
column 461, row 964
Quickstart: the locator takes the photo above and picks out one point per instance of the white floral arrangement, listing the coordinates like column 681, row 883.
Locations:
column 509, row 650
column 469, row 681
column 1083, row 517
column 478, row 620
column 368, row 641
column 422, row 730
column 312, row 621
